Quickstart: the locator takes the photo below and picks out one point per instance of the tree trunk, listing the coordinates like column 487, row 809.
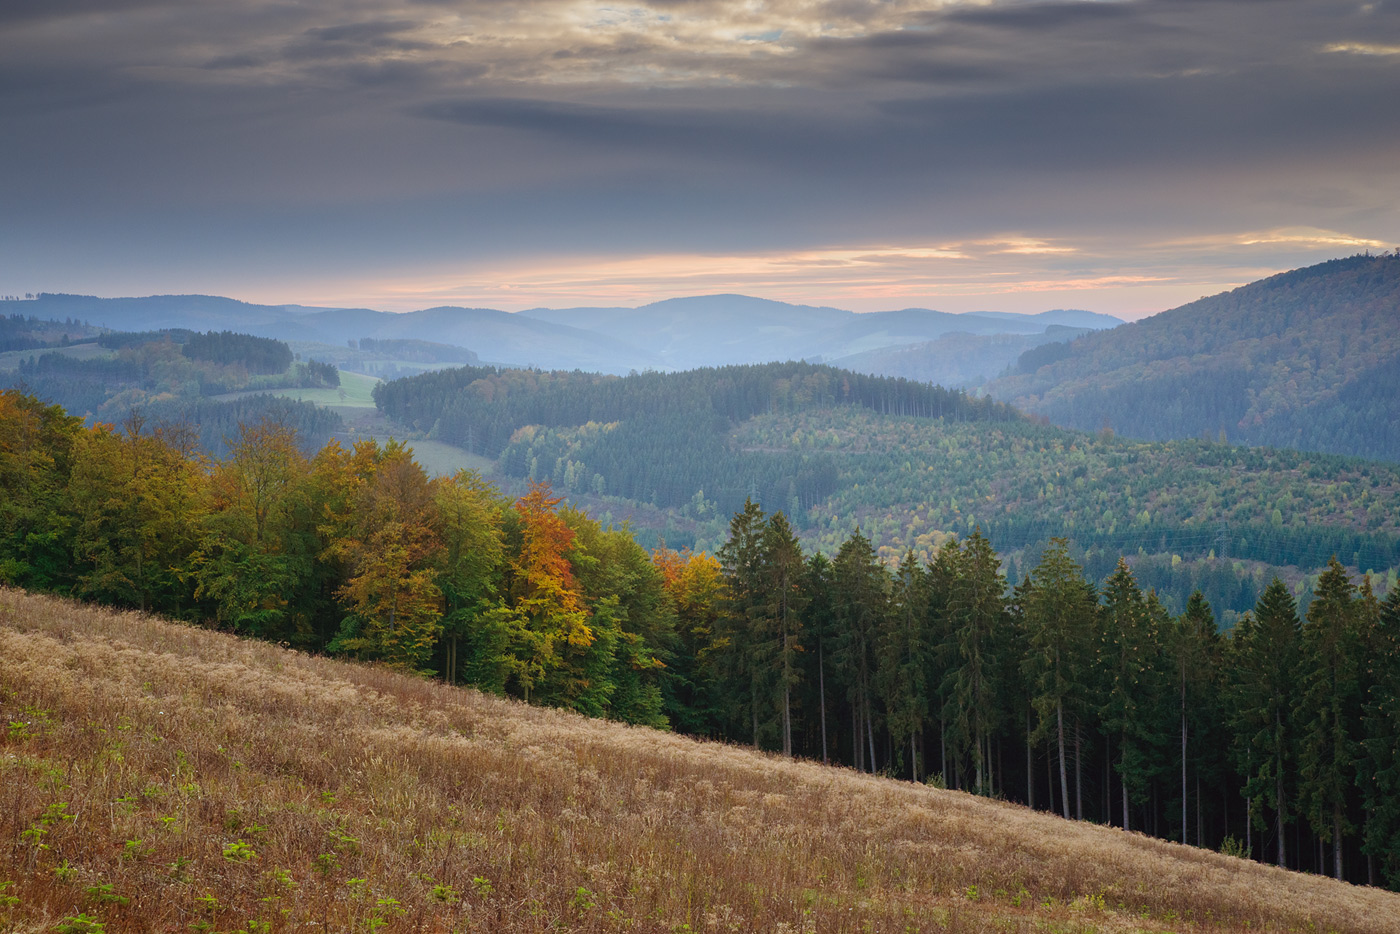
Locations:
column 870, row 732
column 856, row 761
column 1337, row 842
column 1278, row 809
column 1123, row 780
column 1078, row 773
column 1064, row 775
column 978, row 765
column 821, row 690
column 787, row 720
column 1030, row 764
column 1183, row 762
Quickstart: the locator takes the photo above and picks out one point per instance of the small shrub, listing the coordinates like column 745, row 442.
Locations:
column 80, row 924
column 1233, row 846
column 240, row 852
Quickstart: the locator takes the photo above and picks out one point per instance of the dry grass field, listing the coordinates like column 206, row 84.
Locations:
column 158, row 777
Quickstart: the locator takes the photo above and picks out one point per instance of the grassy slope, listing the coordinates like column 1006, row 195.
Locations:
column 10, row 359
column 214, row 782
column 357, row 387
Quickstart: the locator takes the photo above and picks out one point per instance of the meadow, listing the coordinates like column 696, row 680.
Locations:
column 156, row 776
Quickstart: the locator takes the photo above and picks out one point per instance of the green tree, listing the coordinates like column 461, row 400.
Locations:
column 738, row 664
column 862, row 596
column 258, row 545
column 1129, row 654
column 468, row 521
column 1380, row 757
column 37, row 449
column 1059, row 617
column 1263, row 663
column 779, row 624
column 1329, row 707
column 1195, row 647
column 819, row 622
column 904, row 655
column 978, row 622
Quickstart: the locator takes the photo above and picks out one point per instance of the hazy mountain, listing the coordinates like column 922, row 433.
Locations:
column 1307, row 359
column 680, row 333
column 715, row 330
column 957, row 359
column 495, row 336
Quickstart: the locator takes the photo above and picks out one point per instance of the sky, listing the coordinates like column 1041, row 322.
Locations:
column 1122, row 156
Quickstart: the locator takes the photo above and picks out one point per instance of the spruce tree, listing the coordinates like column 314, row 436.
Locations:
column 1380, row 760
column 862, row 588
column 978, row 621
column 1195, row 647
column 1329, row 708
column 904, row 649
column 818, row 620
column 742, row 559
column 779, row 623
column 1059, row 614
column 1263, row 662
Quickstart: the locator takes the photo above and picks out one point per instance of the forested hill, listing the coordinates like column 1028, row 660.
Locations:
column 660, row 438
column 910, row 465
column 1308, row 359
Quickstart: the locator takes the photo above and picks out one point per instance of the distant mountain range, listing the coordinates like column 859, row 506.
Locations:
column 1307, row 359
column 675, row 334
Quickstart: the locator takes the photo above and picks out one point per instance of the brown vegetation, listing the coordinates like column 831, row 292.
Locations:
column 160, row 777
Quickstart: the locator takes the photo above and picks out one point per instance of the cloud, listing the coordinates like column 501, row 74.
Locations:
column 359, row 132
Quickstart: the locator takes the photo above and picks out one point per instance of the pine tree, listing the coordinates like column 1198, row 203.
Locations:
column 779, row 624
column 819, row 621
column 1059, row 618
column 1329, row 707
column 862, row 596
column 977, row 622
column 1263, row 663
column 1126, row 659
column 903, row 651
column 742, row 560
column 1380, row 761
column 1195, row 647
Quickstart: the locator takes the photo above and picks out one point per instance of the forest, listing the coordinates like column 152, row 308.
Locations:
column 1274, row 740
column 911, row 465
column 168, row 376
column 1306, row 359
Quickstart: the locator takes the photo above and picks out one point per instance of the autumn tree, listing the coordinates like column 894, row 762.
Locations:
column 257, row 546
column 138, row 495
column 467, row 517
column 394, row 606
column 545, row 615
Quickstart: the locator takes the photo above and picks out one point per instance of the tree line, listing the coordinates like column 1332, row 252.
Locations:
column 1275, row 741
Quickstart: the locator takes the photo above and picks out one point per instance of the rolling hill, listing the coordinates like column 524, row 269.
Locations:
column 910, row 465
column 159, row 777
column 1308, row 359
column 676, row 334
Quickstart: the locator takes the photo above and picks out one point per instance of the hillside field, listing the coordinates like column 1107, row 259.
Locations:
column 161, row 777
